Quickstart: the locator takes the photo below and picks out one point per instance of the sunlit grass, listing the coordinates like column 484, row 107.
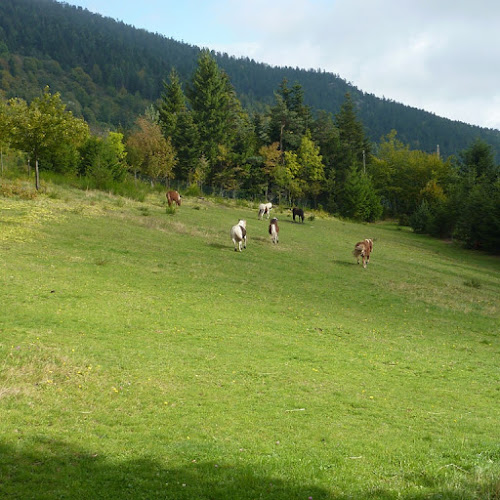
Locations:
column 141, row 357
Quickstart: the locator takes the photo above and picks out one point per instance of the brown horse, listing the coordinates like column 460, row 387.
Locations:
column 298, row 212
column 173, row 197
column 363, row 249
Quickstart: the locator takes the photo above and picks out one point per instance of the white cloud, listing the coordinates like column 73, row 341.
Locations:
column 441, row 56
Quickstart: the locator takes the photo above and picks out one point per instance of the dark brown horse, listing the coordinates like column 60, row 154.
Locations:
column 299, row 213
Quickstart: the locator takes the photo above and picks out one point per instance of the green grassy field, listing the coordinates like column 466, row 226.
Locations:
column 142, row 358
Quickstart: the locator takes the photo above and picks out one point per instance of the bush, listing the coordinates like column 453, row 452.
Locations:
column 404, row 220
column 193, row 190
column 18, row 189
column 421, row 219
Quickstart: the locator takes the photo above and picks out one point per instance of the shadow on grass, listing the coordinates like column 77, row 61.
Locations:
column 57, row 470
column 290, row 221
column 219, row 245
column 346, row 263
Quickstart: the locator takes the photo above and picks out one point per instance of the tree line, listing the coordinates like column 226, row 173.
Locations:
column 108, row 72
column 201, row 137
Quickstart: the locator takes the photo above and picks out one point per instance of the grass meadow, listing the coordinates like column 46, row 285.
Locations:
column 142, row 358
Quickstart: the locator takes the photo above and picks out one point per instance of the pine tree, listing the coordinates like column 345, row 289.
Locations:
column 360, row 200
column 178, row 126
column 172, row 104
column 209, row 98
column 289, row 117
column 353, row 146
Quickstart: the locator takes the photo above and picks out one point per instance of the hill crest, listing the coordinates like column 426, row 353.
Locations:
column 109, row 72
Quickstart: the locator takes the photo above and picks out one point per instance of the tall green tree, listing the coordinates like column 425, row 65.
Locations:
column 179, row 127
column 172, row 103
column 103, row 159
column 45, row 127
column 289, row 117
column 209, row 96
column 479, row 158
column 360, row 200
column 476, row 199
column 353, row 147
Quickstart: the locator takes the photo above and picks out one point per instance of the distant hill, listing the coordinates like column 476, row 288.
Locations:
column 109, row 72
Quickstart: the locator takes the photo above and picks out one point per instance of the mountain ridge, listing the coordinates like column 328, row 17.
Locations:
column 108, row 72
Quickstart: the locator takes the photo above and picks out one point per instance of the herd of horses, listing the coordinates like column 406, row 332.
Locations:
column 362, row 249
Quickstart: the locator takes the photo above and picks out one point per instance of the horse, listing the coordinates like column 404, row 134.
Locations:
column 363, row 249
column 173, row 197
column 239, row 235
column 274, row 229
column 264, row 209
column 299, row 213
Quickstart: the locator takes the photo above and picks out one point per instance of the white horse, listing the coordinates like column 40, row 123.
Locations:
column 264, row 209
column 274, row 230
column 239, row 235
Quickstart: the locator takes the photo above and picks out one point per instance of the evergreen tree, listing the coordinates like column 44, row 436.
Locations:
column 289, row 117
column 178, row 126
column 103, row 159
column 172, row 104
column 353, row 147
column 209, row 98
column 360, row 200
column 480, row 159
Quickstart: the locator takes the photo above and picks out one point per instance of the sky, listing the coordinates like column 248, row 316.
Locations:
column 442, row 56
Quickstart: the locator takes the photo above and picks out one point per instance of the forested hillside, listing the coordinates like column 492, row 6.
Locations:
column 108, row 72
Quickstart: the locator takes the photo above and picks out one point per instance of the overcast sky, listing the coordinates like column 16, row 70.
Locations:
column 442, row 55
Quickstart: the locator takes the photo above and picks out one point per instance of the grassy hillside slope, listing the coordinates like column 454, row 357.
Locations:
column 141, row 357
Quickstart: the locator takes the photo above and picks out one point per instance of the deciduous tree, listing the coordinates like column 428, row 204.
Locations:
column 44, row 127
column 150, row 151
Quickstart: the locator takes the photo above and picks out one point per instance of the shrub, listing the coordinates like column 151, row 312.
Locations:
column 404, row 220
column 193, row 190
column 421, row 219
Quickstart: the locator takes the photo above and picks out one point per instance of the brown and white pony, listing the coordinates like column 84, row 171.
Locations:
column 274, row 229
column 363, row 249
column 239, row 235
column 173, row 197
column 264, row 209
